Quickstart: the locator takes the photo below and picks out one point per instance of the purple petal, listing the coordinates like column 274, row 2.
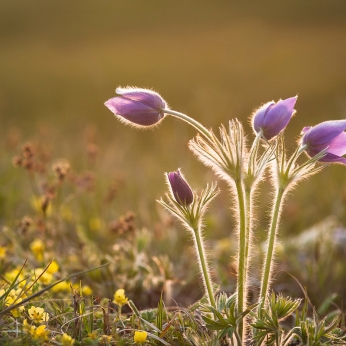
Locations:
column 305, row 129
column 259, row 114
column 320, row 136
column 148, row 97
column 277, row 118
column 134, row 111
column 338, row 145
column 329, row 157
column 333, row 158
column 180, row 188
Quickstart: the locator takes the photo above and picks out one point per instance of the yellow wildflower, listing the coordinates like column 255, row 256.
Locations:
column 11, row 275
column 62, row 286
column 53, row 268
column 66, row 340
column 37, row 247
column 45, row 278
column 40, row 333
column 119, row 297
column 140, row 336
column 17, row 311
column 77, row 286
column 27, row 328
column 38, row 315
column 12, row 299
column 86, row 290
column 3, row 251
column 16, row 292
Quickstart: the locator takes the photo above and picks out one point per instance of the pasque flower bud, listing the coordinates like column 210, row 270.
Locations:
column 272, row 118
column 328, row 135
column 138, row 107
column 180, row 188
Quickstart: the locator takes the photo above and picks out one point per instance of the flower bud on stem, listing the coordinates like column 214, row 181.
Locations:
column 189, row 209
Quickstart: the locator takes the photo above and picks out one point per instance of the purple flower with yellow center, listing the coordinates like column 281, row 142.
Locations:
column 328, row 135
column 139, row 107
column 180, row 188
column 272, row 118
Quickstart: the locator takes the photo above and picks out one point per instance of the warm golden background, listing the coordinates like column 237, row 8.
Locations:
column 214, row 60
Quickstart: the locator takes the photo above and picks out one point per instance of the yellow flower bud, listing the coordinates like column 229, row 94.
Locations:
column 119, row 297
column 53, row 268
column 37, row 247
column 140, row 336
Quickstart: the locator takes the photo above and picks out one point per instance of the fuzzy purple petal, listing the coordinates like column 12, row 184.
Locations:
column 148, row 97
column 277, row 118
column 305, row 130
column 321, row 135
column 134, row 111
column 338, row 145
column 258, row 117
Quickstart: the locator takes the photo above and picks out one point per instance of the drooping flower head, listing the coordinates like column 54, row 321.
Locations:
column 139, row 107
column 180, row 188
column 328, row 135
column 272, row 118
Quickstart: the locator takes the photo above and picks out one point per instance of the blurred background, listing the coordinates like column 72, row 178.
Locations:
column 214, row 60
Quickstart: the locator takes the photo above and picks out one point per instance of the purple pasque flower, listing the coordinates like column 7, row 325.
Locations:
column 180, row 188
column 138, row 107
column 272, row 118
column 328, row 135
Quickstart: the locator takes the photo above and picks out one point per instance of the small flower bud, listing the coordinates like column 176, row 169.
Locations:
column 272, row 118
column 138, row 107
column 140, row 336
column 180, row 188
column 328, row 135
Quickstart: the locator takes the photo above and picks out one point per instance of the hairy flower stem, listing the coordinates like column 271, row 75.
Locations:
column 191, row 121
column 268, row 264
column 242, row 261
column 249, row 208
column 243, row 231
column 203, row 265
column 249, row 190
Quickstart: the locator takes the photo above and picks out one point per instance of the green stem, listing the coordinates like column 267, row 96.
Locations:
column 242, row 277
column 267, row 270
column 191, row 121
column 248, row 193
column 203, row 265
column 249, row 187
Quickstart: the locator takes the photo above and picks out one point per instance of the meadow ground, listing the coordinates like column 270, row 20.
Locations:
column 79, row 188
